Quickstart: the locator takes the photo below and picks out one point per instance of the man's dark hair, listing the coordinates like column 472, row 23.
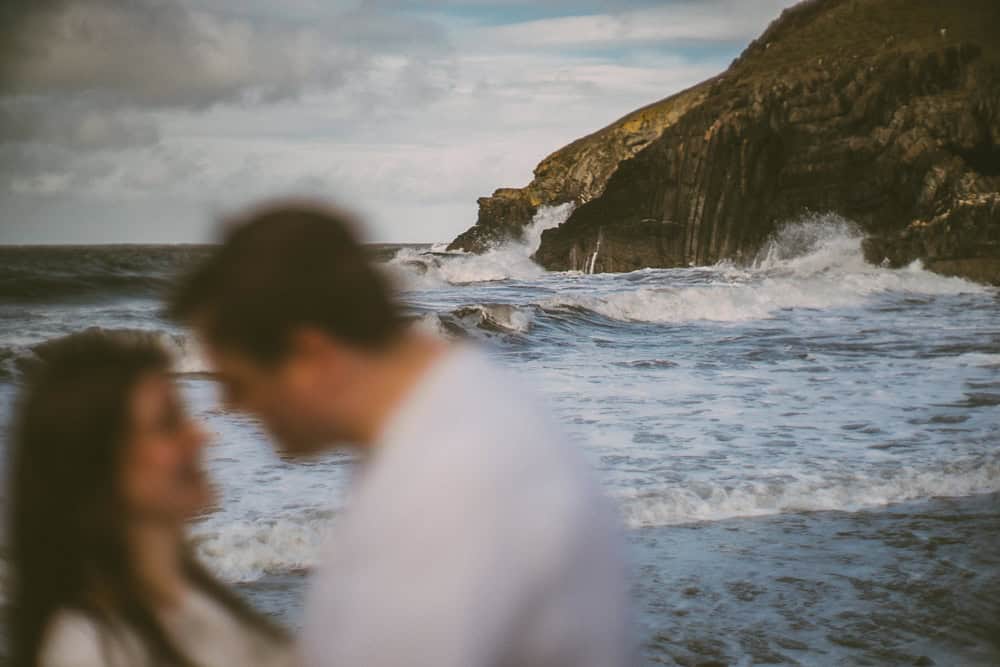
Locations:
column 282, row 267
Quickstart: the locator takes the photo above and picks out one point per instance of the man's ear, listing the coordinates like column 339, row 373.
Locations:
column 307, row 359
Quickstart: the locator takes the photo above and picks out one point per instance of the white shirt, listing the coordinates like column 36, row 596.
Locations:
column 475, row 536
column 202, row 629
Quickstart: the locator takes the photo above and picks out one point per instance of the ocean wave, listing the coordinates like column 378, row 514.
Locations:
column 246, row 550
column 42, row 288
column 416, row 269
column 478, row 321
column 497, row 318
column 50, row 274
column 184, row 352
column 816, row 263
column 708, row 501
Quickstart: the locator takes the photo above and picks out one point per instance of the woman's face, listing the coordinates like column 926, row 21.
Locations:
column 163, row 477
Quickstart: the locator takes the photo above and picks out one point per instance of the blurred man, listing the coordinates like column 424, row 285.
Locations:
column 474, row 535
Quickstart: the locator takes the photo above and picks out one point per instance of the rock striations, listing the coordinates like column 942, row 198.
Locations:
column 884, row 111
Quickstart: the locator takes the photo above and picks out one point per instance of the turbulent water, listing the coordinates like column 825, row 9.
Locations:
column 804, row 449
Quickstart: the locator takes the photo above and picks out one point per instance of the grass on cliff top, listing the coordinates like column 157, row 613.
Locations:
column 838, row 30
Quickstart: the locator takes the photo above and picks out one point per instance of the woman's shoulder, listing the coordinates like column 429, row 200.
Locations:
column 75, row 638
column 213, row 635
column 71, row 638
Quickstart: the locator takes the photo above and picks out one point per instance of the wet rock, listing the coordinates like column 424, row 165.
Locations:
column 575, row 173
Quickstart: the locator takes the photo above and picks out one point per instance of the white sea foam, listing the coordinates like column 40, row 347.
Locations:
column 416, row 269
column 695, row 502
column 185, row 353
column 431, row 324
column 497, row 316
column 184, row 350
column 246, row 550
column 477, row 320
column 813, row 264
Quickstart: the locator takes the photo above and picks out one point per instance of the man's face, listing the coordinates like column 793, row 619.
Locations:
column 291, row 398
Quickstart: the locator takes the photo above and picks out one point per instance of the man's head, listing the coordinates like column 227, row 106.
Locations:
column 290, row 309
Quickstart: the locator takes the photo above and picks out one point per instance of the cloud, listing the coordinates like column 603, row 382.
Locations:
column 140, row 117
column 79, row 78
column 155, row 54
column 706, row 21
column 72, row 125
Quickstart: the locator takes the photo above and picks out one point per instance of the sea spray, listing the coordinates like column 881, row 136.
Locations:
column 815, row 242
column 243, row 550
column 509, row 261
column 597, row 249
column 812, row 264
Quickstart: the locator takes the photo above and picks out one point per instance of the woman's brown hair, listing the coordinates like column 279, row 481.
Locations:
column 66, row 524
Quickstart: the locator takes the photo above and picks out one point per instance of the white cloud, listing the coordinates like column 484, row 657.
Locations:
column 706, row 21
column 404, row 117
column 73, row 126
column 164, row 55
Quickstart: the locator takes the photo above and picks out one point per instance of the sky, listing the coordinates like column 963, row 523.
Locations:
column 145, row 121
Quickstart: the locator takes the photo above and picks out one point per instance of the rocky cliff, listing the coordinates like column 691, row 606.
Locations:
column 885, row 111
column 576, row 173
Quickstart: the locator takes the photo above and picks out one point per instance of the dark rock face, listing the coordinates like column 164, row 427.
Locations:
column 963, row 241
column 575, row 173
column 884, row 111
column 501, row 217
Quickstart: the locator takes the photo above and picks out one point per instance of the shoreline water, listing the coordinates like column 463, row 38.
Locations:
column 804, row 448
column 916, row 583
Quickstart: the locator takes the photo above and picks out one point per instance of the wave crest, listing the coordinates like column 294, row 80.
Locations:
column 416, row 269
column 246, row 550
column 816, row 263
column 184, row 352
column 695, row 502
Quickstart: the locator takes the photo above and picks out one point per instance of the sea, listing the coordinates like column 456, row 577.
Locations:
column 804, row 448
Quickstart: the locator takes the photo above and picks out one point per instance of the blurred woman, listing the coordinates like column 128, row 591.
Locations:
column 105, row 472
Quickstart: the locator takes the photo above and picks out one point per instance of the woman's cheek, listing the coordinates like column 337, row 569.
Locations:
column 156, row 464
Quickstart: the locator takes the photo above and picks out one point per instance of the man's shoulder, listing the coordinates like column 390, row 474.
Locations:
column 478, row 434
column 493, row 434
column 469, row 400
column 481, row 391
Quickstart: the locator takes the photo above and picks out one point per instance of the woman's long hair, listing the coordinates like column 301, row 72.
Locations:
column 67, row 524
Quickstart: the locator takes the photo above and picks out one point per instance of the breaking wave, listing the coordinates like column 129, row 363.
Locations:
column 184, row 352
column 478, row 320
column 696, row 502
column 417, row 269
column 812, row 264
column 246, row 550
